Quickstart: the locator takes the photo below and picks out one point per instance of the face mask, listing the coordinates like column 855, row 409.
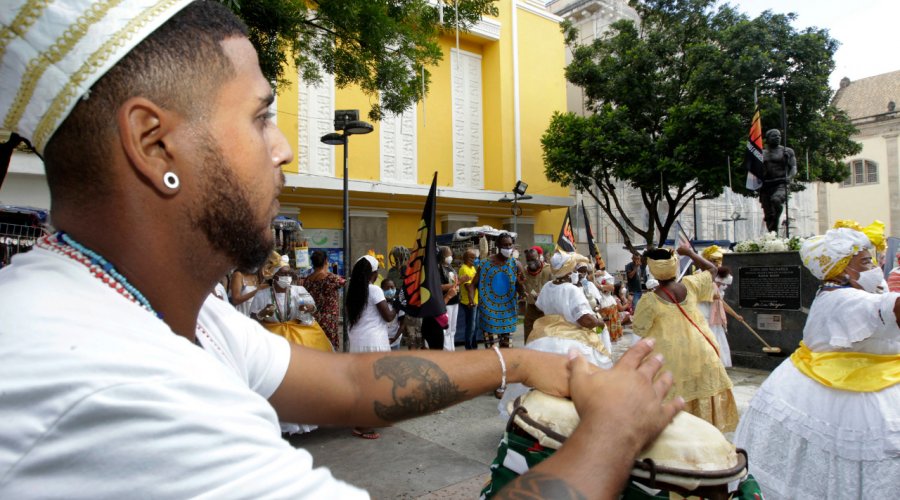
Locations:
column 533, row 265
column 506, row 252
column 390, row 293
column 574, row 278
column 872, row 281
column 448, row 260
column 284, row 281
column 477, row 253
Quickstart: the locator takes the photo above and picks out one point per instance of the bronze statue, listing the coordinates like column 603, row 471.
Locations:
column 780, row 166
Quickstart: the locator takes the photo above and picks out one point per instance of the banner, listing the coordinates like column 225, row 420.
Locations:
column 681, row 238
column 592, row 247
column 566, row 240
column 753, row 157
column 421, row 290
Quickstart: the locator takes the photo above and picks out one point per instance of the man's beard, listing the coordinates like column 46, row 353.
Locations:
column 225, row 213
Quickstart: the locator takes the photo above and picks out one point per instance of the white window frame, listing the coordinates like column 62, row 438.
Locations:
column 860, row 174
column 467, row 124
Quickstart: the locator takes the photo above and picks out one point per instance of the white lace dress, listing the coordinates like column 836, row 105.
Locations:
column 809, row 441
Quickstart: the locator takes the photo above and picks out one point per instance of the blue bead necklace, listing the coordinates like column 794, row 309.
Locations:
column 107, row 267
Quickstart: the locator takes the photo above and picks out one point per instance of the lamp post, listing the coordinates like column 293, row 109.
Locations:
column 348, row 122
column 735, row 217
column 518, row 193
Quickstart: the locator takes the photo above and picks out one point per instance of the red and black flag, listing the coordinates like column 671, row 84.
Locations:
column 753, row 157
column 421, row 288
column 566, row 240
column 592, row 247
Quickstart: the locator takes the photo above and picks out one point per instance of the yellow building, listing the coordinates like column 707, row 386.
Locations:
column 479, row 128
column 872, row 190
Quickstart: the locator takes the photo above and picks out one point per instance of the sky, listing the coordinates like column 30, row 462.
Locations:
column 867, row 30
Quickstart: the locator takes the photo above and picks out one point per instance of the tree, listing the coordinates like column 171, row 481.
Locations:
column 383, row 46
column 672, row 100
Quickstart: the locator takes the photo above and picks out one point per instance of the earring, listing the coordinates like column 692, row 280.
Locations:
column 171, row 180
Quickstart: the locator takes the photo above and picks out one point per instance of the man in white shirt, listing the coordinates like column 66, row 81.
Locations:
column 164, row 171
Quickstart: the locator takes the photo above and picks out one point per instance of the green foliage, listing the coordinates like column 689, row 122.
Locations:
column 673, row 99
column 383, row 46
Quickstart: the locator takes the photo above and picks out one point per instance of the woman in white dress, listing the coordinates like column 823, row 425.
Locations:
column 715, row 310
column 826, row 423
column 368, row 315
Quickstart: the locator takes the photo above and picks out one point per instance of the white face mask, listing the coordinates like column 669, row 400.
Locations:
column 574, row 278
column 448, row 260
column 506, row 252
column 285, row 281
column 872, row 281
column 477, row 253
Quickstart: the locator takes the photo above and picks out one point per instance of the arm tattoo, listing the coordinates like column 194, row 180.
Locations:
column 420, row 386
column 539, row 485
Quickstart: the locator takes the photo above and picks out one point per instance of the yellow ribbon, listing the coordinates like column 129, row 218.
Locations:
column 849, row 371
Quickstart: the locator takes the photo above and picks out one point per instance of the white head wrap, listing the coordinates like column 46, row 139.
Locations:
column 372, row 261
column 563, row 264
column 827, row 256
column 52, row 52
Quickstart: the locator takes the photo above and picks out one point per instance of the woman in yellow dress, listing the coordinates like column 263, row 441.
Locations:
column 670, row 316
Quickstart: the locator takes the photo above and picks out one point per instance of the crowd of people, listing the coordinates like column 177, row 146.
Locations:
column 114, row 331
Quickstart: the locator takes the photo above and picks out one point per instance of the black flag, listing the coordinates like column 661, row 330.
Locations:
column 421, row 279
column 592, row 247
column 566, row 240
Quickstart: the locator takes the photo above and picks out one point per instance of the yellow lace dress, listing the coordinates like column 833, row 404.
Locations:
column 700, row 377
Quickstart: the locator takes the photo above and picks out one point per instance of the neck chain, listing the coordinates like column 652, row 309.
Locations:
column 99, row 267
column 285, row 315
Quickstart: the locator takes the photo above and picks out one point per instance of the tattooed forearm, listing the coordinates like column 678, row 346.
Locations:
column 539, row 485
column 419, row 386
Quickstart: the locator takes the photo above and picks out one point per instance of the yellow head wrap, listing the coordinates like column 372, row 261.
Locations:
column 664, row 269
column 827, row 256
column 712, row 252
column 874, row 231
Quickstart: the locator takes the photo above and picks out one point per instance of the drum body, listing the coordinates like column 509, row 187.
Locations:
column 691, row 457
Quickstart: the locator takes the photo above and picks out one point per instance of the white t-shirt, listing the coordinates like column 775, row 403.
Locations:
column 370, row 330
column 101, row 400
column 564, row 299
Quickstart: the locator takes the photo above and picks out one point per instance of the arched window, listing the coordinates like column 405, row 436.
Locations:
column 861, row 172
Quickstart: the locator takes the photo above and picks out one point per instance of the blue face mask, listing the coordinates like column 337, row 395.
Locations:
column 390, row 293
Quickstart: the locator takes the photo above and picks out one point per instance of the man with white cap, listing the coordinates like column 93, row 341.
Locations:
column 119, row 373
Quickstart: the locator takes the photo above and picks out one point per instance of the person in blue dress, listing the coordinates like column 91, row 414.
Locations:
column 498, row 289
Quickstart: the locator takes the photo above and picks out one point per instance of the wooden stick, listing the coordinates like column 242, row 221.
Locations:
column 767, row 347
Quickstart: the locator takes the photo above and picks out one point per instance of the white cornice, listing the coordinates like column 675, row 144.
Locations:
column 543, row 12
column 376, row 214
column 312, row 181
column 460, row 218
column 486, row 28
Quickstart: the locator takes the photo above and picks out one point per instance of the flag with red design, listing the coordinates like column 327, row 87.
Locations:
column 421, row 287
column 753, row 157
column 566, row 240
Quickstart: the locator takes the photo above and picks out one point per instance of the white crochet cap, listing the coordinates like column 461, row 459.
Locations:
column 53, row 51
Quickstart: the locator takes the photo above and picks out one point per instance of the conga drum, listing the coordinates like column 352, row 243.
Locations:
column 691, row 457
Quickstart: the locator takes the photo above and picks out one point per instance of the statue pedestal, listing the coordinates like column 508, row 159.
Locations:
column 773, row 292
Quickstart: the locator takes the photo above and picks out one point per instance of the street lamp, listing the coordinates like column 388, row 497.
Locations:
column 735, row 217
column 348, row 122
column 518, row 193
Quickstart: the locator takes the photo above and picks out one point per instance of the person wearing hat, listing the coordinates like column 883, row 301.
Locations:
column 120, row 372
column 564, row 298
column 670, row 316
column 825, row 423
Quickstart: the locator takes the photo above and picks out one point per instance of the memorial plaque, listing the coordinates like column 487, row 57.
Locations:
column 769, row 287
column 768, row 322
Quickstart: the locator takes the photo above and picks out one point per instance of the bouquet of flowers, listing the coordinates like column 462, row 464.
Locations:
column 769, row 242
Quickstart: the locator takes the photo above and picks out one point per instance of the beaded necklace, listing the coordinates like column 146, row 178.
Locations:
column 63, row 244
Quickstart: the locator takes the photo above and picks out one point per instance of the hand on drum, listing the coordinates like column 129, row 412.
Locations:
column 624, row 404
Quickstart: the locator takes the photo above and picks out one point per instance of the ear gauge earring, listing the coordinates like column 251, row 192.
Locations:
column 171, row 180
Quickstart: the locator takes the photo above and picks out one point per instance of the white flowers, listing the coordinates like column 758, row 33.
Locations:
column 769, row 242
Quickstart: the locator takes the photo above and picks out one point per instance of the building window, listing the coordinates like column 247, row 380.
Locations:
column 468, row 147
column 398, row 147
column 861, row 172
column 315, row 112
